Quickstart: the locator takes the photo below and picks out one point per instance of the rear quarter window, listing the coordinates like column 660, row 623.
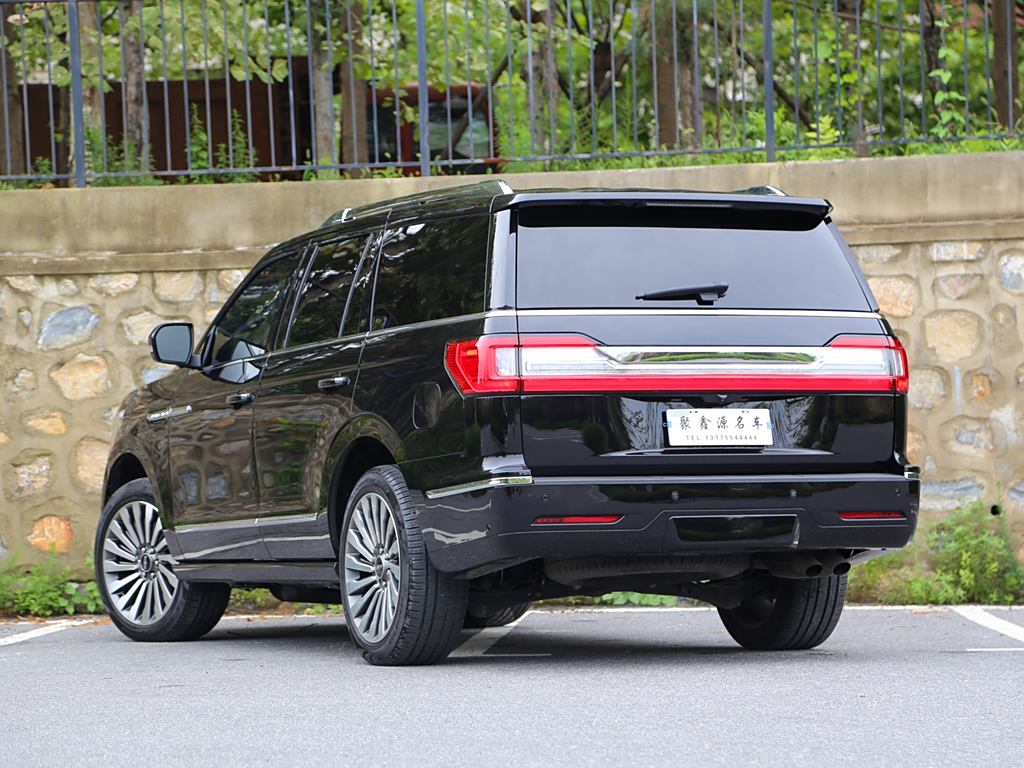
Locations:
column 603, row 257
column 431, row 270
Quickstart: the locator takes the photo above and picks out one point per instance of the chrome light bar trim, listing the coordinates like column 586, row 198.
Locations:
column 866, row 315
column 481, row 485
column 695, row 361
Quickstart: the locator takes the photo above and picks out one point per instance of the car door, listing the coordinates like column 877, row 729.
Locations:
column 213, row 481
column 305, row 396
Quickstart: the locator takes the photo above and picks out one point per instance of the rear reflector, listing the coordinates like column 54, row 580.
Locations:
column 872, row 516
column 555, row 364
column 578, row 520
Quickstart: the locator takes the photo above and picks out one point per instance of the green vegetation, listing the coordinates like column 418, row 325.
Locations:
column 569, row 78
column 967, row 557
column 618, row 598
column 46, row 589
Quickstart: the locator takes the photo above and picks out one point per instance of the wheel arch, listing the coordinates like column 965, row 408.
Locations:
column 128, row 463
column 125, row 468
column 353, row 453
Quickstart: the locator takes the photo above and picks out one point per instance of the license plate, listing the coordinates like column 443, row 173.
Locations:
column 718, row 426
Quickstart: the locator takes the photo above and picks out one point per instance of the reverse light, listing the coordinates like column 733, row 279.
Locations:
column 537, row 363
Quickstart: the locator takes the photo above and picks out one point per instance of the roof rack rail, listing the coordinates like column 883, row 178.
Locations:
column 764, row 189
column 484, row 190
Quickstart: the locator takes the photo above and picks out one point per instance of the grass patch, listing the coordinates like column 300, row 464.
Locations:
column 46, row 589
column 967, row 557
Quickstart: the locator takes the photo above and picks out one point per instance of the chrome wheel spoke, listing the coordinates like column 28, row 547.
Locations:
column 122, row 583
column 114, row 548
column 358, row 564
column 125, row 523
column 137, row 567
column 372, row 567
column 168, row 574
column 118, row 530
column 111, row 566
column 360, row 545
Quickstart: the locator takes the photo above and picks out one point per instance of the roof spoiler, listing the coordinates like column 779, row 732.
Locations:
column 764, row 200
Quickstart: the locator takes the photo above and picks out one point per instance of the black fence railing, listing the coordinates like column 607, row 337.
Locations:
column 126, row 91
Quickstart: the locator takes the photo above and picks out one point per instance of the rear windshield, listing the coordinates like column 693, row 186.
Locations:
column 603, row 257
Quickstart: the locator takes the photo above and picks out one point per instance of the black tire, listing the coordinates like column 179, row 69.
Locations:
column 795, row 614
column 193, row 610
column 496, row 618
column 431, row 605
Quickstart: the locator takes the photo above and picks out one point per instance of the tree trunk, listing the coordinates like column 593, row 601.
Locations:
column 92, row 91
column 12, row 130
column 675, row 95
column 325, row 150
column 1005, row 80
column 932, row 43
column 353, row 94
column 546, row 73
column 136, row 140
column 549, row 71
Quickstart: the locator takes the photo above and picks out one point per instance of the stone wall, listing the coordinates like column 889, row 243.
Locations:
column 86, row 274
column 71, row 347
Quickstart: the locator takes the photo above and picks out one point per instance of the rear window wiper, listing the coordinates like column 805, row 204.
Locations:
column 705, row 293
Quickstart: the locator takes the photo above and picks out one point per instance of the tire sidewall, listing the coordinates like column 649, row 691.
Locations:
column 136, row 490
column 377, row 481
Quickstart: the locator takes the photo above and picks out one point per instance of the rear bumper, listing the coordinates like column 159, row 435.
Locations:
column 489, row 525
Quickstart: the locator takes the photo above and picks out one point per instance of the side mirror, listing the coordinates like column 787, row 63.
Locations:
column 172, row 343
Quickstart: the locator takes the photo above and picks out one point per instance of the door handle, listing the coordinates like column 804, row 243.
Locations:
column 240, row 398
column 336, row 382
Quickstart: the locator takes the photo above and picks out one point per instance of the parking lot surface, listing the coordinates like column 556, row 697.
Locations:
column 893, row 686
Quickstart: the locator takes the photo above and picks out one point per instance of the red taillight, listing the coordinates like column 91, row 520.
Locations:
column 577, row 520
column 871, row 516
column 475, row 365
column 538, row 363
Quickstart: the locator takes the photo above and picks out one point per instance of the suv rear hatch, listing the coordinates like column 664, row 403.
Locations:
column 617, row 382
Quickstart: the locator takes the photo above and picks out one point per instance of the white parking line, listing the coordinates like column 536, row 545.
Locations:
column 484, row 640
column 1018, row 649
column 980, row 616
column 47, row 629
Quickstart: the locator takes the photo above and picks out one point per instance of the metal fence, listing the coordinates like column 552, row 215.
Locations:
column 126, row 91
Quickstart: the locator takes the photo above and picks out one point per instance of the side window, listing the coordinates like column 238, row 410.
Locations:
column 245, row 326
column 357, row 314
column 320, row 305
column 430, row 271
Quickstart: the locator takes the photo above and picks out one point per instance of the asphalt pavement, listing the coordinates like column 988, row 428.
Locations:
column 581, row 687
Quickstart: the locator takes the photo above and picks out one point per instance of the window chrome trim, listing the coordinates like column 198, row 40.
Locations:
column 353, row 338
column 481, row 485
column 430, row 324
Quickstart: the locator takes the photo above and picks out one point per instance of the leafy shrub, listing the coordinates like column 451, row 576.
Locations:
column 966, row 558
column 617, row 598
column 46, row 589
column 255, row 600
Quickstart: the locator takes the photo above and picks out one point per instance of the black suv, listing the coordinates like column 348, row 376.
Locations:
column 441, row 408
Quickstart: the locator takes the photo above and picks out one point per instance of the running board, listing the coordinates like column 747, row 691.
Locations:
column 319, row 573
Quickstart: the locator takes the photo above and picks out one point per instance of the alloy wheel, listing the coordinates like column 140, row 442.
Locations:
column 373, row 567
column 138, row 568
